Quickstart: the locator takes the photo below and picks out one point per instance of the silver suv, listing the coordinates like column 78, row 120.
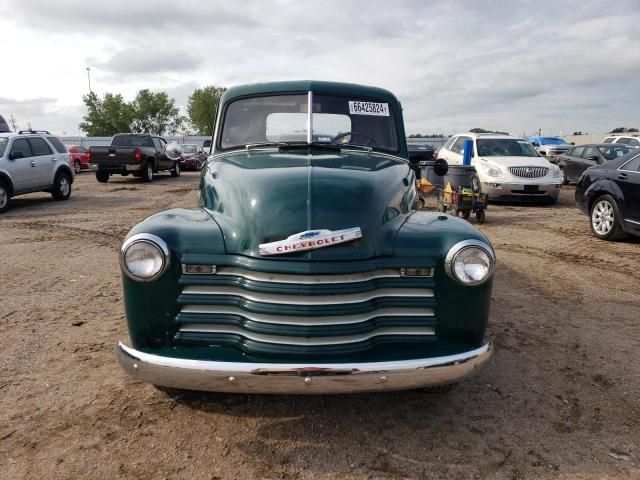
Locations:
column 33, row 161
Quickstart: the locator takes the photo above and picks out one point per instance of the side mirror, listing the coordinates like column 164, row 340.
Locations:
column 16, row 155
column 594, row 158
column 173, row 150
column 441, row 167
column 535, row 144
column 573, row 143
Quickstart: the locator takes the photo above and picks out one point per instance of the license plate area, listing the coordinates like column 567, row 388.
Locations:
column 531, row 189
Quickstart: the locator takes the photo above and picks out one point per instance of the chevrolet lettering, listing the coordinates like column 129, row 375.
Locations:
column 305, row 268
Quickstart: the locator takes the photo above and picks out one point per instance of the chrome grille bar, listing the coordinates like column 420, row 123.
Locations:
column 529, row 172
column 308, row 279
column 302, row 341
column 290, row 299
column 307, row 321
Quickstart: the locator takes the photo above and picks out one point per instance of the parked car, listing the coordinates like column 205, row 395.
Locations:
column 577, row 159
column 632, row 140
column 610, row 194
column 549, row 147
column 79, row 157
column 192, row 157
column 33, row 161
column 305, row 269
column 508, row 168
column 139, row 154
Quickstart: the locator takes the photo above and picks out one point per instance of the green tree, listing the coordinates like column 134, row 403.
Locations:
column 155, row 113
column 106, row 117
column 202, row 108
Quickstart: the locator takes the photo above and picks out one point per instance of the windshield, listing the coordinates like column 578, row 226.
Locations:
column 613, row 152
column 189, row 149
column 3, row 145
column 552, row 141
column 505, row 147
column 132, row 141
column 284, row 119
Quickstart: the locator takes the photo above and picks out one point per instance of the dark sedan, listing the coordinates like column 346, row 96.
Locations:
column 610, row 195
column 577, row 159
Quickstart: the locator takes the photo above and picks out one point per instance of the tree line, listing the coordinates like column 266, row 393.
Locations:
column 150, row 112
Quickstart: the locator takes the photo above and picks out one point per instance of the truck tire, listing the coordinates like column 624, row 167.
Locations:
column 147, row 174
column 4, row 197
column 175, row 171
column 61, row 189
column 102, row 177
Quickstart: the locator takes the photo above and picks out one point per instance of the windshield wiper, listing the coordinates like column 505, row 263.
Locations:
column 341, row 146
column 249, row 146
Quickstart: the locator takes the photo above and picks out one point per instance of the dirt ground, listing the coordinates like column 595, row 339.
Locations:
column 561, row 399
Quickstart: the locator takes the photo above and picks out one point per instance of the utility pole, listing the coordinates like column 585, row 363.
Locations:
column 88, row 69
column 13, row 122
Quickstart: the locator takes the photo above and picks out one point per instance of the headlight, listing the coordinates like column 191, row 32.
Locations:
column 491, row 170
column 144, row 257
column 470, row 262
column 555, row 170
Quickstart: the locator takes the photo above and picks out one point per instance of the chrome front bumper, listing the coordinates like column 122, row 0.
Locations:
column 300, row 379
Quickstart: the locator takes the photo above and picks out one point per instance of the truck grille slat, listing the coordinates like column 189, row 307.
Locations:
column 529, row 172
column 289, row 299
column 302, row 341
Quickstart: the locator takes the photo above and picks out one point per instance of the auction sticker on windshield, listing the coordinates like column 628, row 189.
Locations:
column 368, row 108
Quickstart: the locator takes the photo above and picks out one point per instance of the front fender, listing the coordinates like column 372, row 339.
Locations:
column 603, row 187
column 462, row 311
column 151, row 306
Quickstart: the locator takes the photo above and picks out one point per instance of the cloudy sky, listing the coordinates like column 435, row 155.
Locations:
column 517, row 66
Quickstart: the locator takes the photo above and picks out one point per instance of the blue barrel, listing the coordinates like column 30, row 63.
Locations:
column 468, row 151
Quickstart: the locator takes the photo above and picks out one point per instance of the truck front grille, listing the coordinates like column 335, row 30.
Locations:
column 289, row 314
column 529, row 172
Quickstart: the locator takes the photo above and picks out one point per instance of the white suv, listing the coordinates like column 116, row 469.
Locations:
column 630, row 140
column 509, row 168
column 33, row 161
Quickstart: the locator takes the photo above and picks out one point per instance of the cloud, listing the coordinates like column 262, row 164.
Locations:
column 558, row 66
column 146, row 61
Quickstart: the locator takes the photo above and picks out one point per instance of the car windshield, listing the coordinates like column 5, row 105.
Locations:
column 505, row 147
column 552, row 141
column 3, row 145
column 614, row 151
column 284, row 119
column 189, row 149
column 132, row 141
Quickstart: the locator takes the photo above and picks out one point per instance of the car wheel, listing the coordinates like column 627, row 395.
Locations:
column 102, row 177
column 61, row 186
column 481, row 216
column 605, row 219
column 175, row 171
column 563, row 176
column 4, row 198
column 76, row 166
column 466, row 214
column 147, row 175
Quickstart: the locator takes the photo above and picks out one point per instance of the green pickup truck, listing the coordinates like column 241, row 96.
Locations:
column 305, row 269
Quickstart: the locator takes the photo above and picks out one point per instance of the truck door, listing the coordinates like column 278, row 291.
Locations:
column 163, row 162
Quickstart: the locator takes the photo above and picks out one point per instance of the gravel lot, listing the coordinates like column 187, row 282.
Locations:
column 560, row 400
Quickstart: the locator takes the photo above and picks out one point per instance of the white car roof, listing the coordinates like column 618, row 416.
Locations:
column 488, row 135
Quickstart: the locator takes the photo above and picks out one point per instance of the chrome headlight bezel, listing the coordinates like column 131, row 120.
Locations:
column 155, row 242
column 460, row 247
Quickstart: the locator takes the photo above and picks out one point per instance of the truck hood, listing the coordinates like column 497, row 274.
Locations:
column 266, row 196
